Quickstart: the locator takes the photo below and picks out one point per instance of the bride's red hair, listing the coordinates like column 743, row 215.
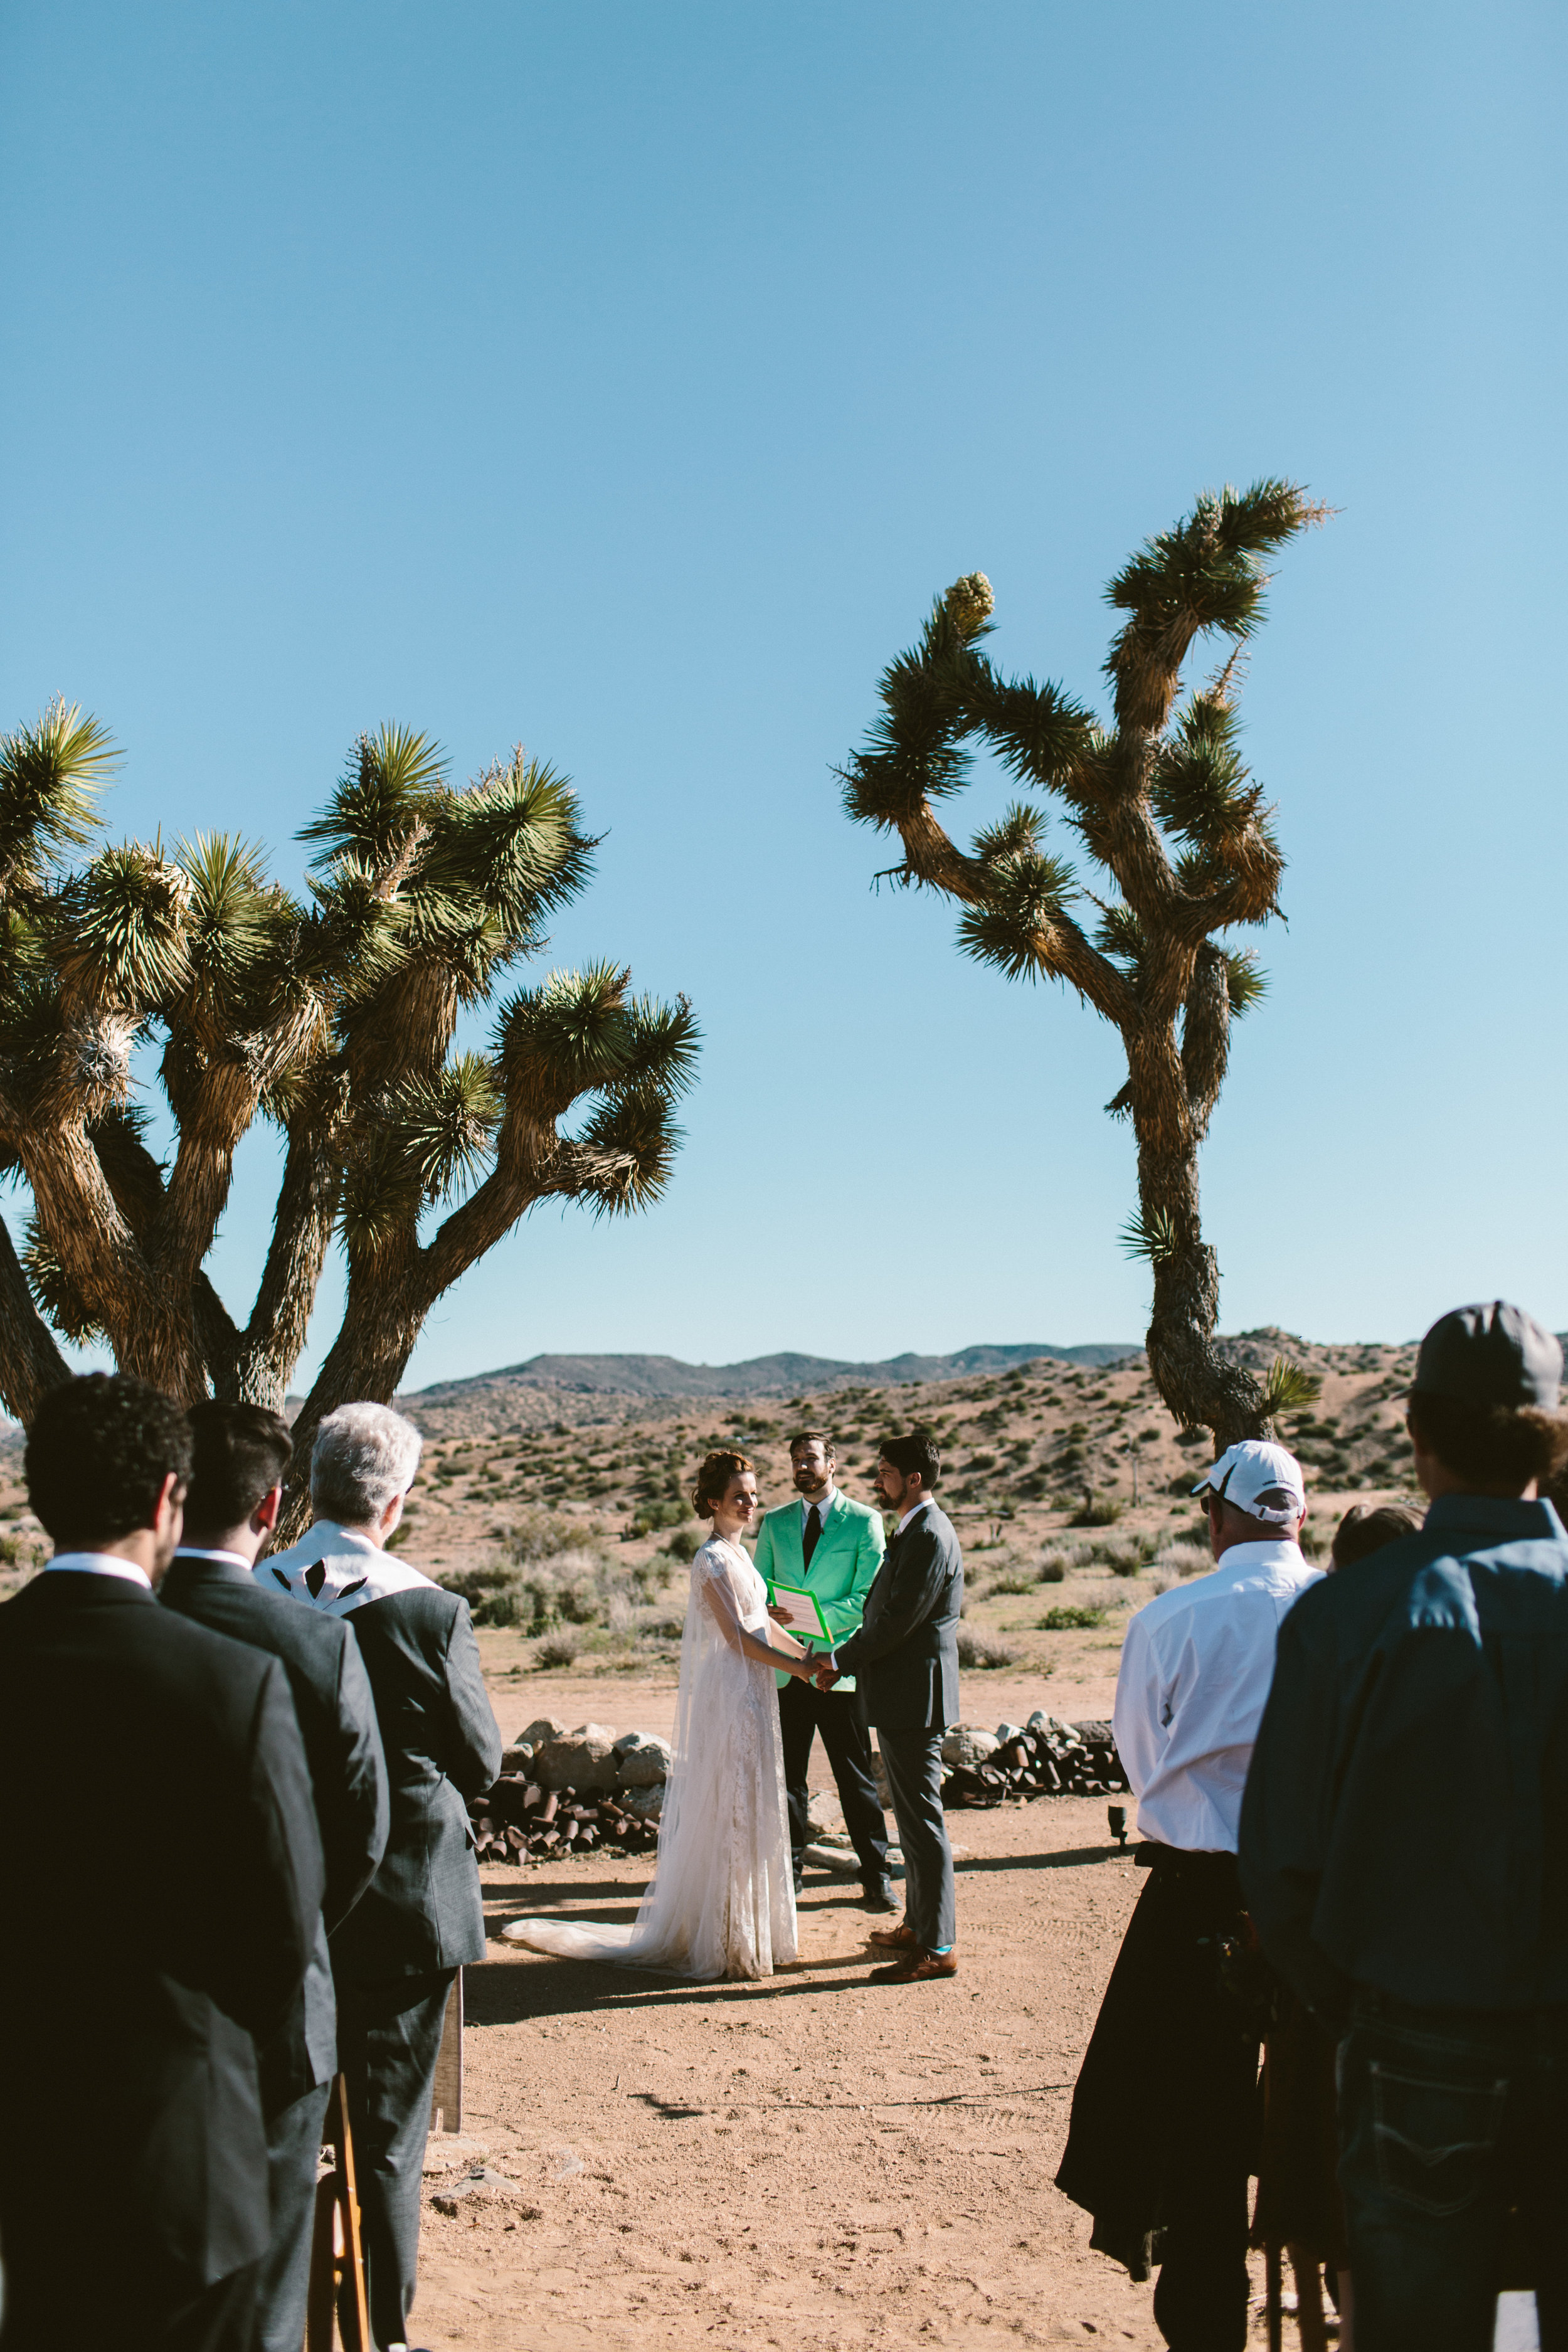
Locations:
column 713, row 1480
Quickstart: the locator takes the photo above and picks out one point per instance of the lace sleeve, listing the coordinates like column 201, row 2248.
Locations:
column 719, row 1594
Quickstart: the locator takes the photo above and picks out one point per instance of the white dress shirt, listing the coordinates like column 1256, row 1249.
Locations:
column 100, row 1563
column 908, row 1515
column 821, row 1508
column 1195, row 1671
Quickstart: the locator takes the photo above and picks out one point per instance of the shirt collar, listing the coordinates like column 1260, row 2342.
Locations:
column 925, row 1503
column 1247, row 1559
column 100, row 1563
column 1498, row 1515
column 823, row 1506
column 229, row 1559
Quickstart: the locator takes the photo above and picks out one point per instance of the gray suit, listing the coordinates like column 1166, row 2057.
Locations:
column 333, row 1700
column 905, row 1658
column 395, row 1955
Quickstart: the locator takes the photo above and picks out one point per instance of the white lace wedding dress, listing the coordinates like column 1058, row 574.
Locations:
column 722, row 1899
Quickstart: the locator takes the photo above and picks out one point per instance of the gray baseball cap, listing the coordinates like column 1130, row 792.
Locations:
column 1492, row 1354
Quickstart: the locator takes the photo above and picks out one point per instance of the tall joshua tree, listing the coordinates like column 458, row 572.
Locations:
column 333, row 1017
column 1165, row 808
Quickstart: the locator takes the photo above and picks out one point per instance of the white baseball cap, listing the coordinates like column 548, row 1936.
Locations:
column 1263, row 1480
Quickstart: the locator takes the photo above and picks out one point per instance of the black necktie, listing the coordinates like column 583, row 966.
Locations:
column 813, row 1531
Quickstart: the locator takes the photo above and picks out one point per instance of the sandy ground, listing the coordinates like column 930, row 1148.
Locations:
column 812, row 2161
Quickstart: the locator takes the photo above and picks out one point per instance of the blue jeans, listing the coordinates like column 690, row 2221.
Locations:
column 1449, row 2119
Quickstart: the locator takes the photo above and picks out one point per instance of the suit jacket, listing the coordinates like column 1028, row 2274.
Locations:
column 162, row 1880
column 336, row 1710
column 905, row 1653
column 848, row 1556
column 423, row 1911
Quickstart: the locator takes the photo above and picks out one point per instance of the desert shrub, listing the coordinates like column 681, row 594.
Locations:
column 1125, row 1555
column 1016, row 1578
column 1053, row 1568
column 1067, row 1620
column 1186, row 1558
column 685, row 1542
column 559, row 1650
column 16, row 1551
column 580, row 1587
column 651, row 1516
column 984, row 1651
column 1100, row 1511
column 536, row 1535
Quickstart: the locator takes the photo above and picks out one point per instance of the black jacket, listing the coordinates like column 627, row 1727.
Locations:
column 423, row 1910
column 336, row 1710
column 161, row 1879
column 905, row 1656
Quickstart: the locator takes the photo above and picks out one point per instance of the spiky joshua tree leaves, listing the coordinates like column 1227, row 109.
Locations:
column 1181, row 855
column 333, row 1017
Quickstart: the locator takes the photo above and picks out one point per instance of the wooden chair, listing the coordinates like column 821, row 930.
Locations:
column 337, row 2256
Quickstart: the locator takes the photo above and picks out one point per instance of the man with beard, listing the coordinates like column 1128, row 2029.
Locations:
column 827, row 1547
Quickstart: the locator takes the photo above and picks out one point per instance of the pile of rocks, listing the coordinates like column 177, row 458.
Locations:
column 564, row 1792
column 1042, row 1758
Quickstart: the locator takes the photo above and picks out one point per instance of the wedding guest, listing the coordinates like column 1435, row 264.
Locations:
column 241, row 1454
column 396, row 1954
column 1402, row 1853
column 1162, row 2138
column 1298, row 2206
column 163, row 1881
column 905, row 1656
column 831, row 1548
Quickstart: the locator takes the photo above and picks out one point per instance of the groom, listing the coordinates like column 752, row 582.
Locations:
column 906, row 1659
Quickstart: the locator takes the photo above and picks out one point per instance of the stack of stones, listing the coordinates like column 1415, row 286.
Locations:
column 1042, row 1758
column 564, row 1792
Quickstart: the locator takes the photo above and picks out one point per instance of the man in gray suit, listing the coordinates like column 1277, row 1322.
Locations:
column 241, row 1454
column 395, row 1955
column 905, row 1658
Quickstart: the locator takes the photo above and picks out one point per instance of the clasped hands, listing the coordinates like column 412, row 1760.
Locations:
column 816, row 1666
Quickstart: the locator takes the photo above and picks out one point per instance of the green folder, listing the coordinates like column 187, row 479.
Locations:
column 801, row 1604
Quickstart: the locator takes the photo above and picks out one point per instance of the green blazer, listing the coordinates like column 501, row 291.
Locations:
column 843, row 1567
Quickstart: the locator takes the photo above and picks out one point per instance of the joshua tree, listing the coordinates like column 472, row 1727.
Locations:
column 1162, row 802
column 333, row 1018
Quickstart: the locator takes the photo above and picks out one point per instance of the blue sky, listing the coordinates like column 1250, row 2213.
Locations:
column 627, row 381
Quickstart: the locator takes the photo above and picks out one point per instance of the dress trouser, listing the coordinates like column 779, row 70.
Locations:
column 293, row 2145
column 912, row 1761
column 840, row 1717
column 1449, row 2119
column 389, row 2038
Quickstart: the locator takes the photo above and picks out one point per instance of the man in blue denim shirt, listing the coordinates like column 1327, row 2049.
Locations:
column 1404, row 1850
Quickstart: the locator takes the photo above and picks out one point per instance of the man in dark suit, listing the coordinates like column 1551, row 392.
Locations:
column 241, row 1452
column 422, row 1917
column 162, row 1878
column 905, row 1657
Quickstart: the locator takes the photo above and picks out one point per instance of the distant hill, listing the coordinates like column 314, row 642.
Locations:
column 760, row 1376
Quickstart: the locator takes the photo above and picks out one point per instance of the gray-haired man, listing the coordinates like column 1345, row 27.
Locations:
column 395, row 1955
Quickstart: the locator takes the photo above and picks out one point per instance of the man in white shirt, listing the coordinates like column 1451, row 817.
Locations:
column 1164, row 2112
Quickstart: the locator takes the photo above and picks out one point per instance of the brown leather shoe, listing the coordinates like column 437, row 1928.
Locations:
column 891, row 1937
column 916, row 1967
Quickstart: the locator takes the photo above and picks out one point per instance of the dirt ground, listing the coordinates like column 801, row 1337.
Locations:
column 813, row 2161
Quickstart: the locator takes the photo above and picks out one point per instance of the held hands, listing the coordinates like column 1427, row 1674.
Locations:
column 827, row 1673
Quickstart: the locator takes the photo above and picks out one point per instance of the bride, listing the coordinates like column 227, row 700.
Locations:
column 722, row 1899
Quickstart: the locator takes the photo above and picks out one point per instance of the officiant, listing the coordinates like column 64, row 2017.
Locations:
column 829, row 1548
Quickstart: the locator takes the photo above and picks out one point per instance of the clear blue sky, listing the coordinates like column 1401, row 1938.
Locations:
column 626, row 380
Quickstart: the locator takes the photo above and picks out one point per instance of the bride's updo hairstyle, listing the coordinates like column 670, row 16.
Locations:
column 713, row 1480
